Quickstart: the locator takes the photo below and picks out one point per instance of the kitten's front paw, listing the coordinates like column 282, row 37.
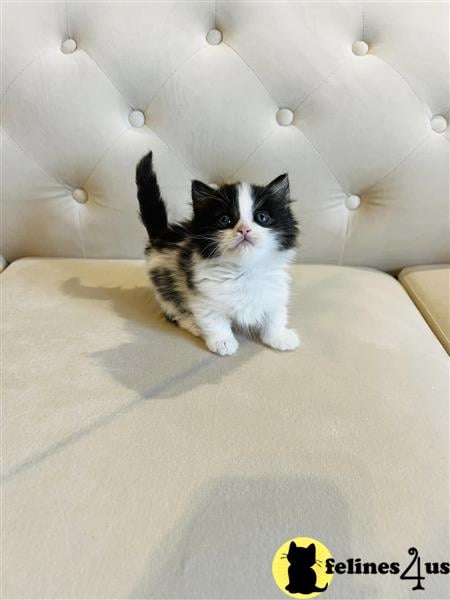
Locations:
column 224, row 346
column 287, row 339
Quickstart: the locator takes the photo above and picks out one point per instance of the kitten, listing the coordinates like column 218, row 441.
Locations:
column 226, row 266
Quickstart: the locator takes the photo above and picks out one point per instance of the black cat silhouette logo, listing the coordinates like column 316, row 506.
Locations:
column 299, row 568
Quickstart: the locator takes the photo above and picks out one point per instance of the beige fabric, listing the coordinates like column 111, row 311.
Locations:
column 429, row 287
column 138, row 465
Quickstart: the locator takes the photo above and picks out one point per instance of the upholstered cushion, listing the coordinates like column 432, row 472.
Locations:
column 351, row 98
column 139, row 465
column 429, row 287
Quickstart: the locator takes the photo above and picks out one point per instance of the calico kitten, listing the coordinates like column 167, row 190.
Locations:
column 226, row 266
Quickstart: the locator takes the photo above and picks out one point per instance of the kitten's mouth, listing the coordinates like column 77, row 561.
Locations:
column 244, row 242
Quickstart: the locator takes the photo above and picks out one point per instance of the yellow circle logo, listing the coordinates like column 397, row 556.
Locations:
column 299, row 568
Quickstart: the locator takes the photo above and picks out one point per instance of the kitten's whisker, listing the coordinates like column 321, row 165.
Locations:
column 201, row 237
column 213, row 249
column 211, row 241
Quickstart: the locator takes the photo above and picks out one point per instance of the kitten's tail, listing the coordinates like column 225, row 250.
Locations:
column 151, row 205
column 317, row 589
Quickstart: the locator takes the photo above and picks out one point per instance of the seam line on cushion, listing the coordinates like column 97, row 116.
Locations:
column 269, row 135
column 178, row 156
column 80, row 233
column 31, row 157
column 80, row 50
column 363, row 20
column 322, row 158
column 345, row 237
column 108, row 149
column 416, row 147
column 110, row 79
column 66, row 8
column 344, row 241
column 2, row 237
column 423, row 309
column 389, row 64
column 321, row 83
column 169, row 77
column 419, row 98
column 51, row 176
column 22, row 70
column 89, row 56
column 402, row 160
column 255, row 74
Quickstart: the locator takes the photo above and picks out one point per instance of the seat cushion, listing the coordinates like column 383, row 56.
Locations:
column 429, row 287
column 139, row 465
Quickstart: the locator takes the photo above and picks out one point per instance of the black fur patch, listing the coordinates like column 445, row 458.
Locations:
column 185, row 264
column 151, row 205
column 274, row 198
column 173, row 235
column 209, row 205
column 165, row 283
column 153, row 210
column 170, row 319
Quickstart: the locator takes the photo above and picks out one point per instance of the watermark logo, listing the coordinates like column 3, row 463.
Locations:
column 303, row 568
column 299, row 568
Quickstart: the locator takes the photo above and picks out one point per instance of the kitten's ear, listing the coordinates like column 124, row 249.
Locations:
column 292, row 546
column 279, row 187
column 311, row 549
column 201, row 192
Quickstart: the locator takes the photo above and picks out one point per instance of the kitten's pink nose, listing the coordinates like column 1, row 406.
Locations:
column 244, row 229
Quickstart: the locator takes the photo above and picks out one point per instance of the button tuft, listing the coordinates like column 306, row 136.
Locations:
column 136, row 118
column 439, row 123
column 214, row 37
column 68, row 46
column 80, row 196
column 360, row 48
column 285, row 117
column 352, row 202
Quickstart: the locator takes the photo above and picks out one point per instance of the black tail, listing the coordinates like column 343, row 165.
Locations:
column 317, row 589
column 152, row 209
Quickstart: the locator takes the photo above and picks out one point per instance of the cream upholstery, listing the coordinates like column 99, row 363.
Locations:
column 350, row 97
column 138, row 465
column 429, row 287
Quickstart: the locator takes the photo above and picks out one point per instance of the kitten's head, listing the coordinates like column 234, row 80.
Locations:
column 300, row 555
column 241, row 221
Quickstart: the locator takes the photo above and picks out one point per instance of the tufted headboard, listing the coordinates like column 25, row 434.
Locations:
column 351, row 98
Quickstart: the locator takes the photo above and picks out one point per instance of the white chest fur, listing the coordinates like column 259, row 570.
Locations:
column 244, row 294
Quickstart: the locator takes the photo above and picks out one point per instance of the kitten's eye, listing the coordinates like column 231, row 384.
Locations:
column 224, row 220
column 263, row 218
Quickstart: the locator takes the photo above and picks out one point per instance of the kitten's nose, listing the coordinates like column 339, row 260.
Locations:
column 244, row 229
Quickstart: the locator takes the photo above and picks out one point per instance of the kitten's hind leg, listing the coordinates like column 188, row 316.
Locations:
column 185, row 322
column 188, row 323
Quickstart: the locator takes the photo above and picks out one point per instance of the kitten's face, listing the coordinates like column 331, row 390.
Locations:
column 241, row 221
